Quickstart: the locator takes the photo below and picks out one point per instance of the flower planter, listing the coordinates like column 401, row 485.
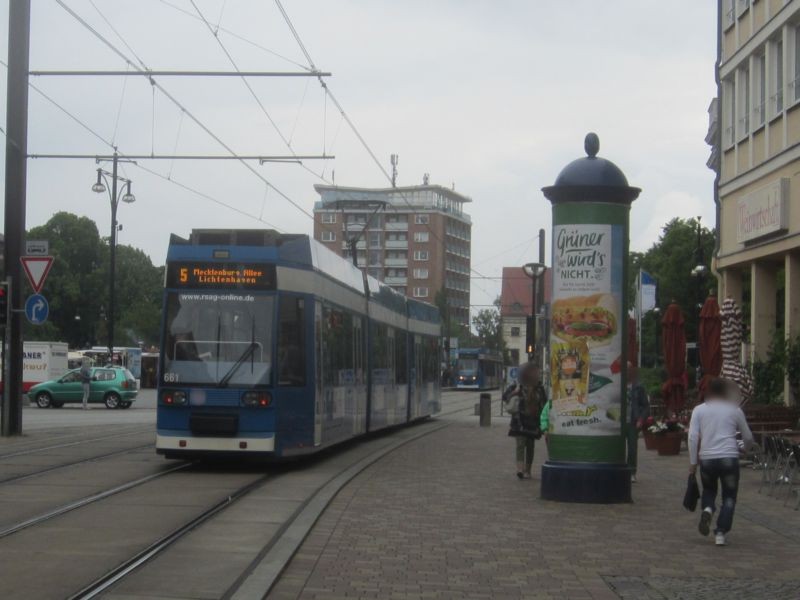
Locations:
column 669, row 443
column 650, row 440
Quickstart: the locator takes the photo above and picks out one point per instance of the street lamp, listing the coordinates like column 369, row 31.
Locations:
column 100, row 186
column 699, row 274
column 533, row 270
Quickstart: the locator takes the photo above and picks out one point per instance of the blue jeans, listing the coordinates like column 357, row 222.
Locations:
column 726, row 472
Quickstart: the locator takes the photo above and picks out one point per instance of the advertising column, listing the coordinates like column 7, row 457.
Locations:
column 588, row 320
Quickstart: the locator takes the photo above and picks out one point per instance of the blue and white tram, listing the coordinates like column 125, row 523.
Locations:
column 273, row 345
column 479, row 369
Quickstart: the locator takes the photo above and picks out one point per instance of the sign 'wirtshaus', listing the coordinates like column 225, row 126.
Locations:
column 251, row 276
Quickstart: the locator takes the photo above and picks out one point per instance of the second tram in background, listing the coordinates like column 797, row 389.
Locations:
column 274, row 345
column 479, row 369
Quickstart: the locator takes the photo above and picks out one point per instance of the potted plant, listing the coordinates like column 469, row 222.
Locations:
column 649, row 437
column 669, row 435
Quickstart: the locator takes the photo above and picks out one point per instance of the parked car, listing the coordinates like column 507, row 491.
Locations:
column 113, row 386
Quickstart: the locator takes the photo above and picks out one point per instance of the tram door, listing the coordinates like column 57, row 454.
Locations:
column 359, row 379
column 318, row 375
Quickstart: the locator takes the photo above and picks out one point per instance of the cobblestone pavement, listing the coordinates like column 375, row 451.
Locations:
column 445, row 517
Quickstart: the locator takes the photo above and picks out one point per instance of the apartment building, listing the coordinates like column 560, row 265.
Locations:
column 416, row 239
column 757, row 139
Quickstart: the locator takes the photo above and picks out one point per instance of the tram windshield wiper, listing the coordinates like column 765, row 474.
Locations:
column 249, row 351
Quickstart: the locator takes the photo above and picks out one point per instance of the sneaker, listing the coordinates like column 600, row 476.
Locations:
column 519, row 475
column 705, row 522
column 527, row 475
column 719, row 539
column 633, row 478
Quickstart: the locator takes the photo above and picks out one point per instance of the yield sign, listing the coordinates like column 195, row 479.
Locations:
column 36, row 269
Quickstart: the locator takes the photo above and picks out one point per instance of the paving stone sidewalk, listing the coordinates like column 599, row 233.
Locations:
column 445, row 517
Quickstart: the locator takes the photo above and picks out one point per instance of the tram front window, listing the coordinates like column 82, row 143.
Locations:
column 218, row 339
column 467, row 366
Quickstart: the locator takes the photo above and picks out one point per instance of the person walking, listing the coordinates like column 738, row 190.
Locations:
column 638, row 410
column 524, row 403
column 713, row 443
column 86, row 380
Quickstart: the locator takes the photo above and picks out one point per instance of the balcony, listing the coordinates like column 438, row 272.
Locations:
column 395, row 262
column 397, row 244
column 402, row 226
column 395, row 280
column 361, row 245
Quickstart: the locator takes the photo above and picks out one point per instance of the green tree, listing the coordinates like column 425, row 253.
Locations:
column 682, row 245
column 489, row 328
column 74, row 287
column 138, row 298
column 77, row 287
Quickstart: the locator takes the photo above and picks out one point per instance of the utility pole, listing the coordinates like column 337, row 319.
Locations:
column 19, row 29
column 540, row 329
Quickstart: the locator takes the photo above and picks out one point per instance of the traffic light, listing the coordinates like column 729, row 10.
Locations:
column 3, row 303
column 530, row 334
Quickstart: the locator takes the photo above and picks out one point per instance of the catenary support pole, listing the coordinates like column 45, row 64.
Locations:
column 113, row 266
column 19, row 21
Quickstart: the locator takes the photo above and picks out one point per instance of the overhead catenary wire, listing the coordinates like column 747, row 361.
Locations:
column 108, row 143
column 177, row 103
column 250, row 89
column 352, row 126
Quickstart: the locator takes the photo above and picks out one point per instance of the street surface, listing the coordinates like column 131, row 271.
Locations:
column 463, row 526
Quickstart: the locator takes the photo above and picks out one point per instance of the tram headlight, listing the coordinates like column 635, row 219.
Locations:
column 256, row 399
column 174, row 398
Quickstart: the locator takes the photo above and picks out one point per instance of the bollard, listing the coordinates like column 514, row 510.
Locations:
column 486, row 410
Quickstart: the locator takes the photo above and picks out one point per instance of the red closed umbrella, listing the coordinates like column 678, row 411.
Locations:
column 674, row 348
column 710, row 335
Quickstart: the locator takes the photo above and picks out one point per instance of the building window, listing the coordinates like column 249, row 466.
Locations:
column 422, row 219
column 397, row 218
column 421, row 255
column 420, row 292
column 374, row 239
column 329, row 217
column 743, row 127
column 328, row 236
column 420, row 273
column 760, row 96
column 515, row 332
column 796, row 83
column 777, row 62
column 729, row 112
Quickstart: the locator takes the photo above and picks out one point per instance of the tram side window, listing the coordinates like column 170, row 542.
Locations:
column 291, row 342
column 401, row 356
column 378, row 354
column 338, row 348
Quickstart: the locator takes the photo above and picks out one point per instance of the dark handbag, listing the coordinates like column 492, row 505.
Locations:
column 692, row 494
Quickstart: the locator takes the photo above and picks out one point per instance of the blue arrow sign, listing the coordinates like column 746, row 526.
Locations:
column 37, row 309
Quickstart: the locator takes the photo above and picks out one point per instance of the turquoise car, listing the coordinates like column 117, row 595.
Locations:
column 113, row 386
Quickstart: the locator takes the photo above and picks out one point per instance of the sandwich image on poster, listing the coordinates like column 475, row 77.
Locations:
column 591, row 319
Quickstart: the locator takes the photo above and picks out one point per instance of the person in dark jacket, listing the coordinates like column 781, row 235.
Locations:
column 525, row 402
column 638, row 410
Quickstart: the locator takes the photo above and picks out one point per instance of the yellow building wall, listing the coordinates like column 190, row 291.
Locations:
column 728, row 170
column 775, row 136
column 743, row 158
column 759, row 147
column 729, row 217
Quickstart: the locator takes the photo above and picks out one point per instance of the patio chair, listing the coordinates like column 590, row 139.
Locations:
column 784, row 452
column 770, row 461
column 792, row 469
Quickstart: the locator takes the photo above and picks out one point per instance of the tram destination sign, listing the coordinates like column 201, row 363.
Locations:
column 207, row 275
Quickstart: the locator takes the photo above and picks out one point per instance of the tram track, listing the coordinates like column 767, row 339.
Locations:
column 74, row 463
column 86, row 500
column 322, row 494
column 78, row 442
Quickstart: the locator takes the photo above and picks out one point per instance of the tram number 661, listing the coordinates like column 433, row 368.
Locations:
column 171, row 378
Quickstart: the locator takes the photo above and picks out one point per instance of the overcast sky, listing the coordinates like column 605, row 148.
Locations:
column 493, row 97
